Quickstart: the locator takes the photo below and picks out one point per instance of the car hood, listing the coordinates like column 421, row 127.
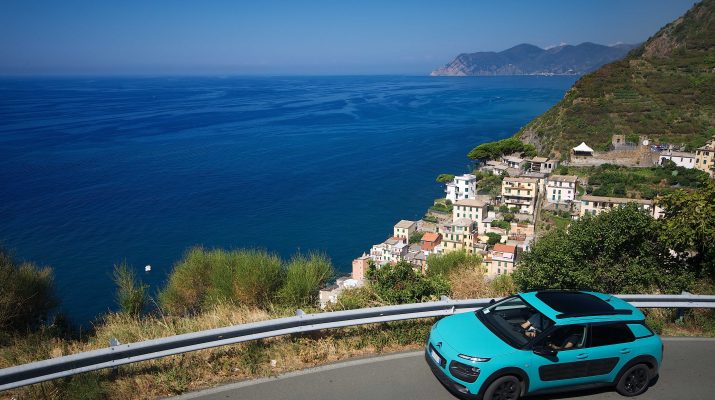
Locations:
column 466, row 334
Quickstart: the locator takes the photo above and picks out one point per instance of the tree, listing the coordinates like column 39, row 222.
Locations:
column 616, row 252
column 27, row 294
column 689, row 227
column 494, row 150
column 494, row 238
column 445, row 178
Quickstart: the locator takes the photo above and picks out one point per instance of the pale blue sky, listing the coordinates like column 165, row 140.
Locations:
column 300, row 37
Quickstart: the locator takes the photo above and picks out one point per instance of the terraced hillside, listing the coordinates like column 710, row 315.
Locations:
column 664, row 89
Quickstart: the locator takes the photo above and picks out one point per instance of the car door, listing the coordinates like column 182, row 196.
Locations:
column 610, row 346
column 567, row 366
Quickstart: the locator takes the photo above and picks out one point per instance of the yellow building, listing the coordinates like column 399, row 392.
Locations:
column 458, row 235
column 705, row 157
column 520, row 192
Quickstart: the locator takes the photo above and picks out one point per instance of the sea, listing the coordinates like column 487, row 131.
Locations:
column 95, row 171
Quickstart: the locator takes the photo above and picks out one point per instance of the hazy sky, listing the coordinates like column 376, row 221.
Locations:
column 300, row 36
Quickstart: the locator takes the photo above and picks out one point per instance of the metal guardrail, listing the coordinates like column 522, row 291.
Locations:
column 122, row 354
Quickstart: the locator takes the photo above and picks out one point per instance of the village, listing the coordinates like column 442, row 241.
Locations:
column 500, row 222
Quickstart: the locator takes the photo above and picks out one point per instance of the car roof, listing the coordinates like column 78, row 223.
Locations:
column 566, row 307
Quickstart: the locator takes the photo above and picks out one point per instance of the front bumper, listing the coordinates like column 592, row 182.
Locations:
column 458, row 390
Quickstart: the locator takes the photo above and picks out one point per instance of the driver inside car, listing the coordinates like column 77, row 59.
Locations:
column 534, row 325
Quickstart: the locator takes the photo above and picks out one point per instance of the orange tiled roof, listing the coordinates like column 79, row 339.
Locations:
column 430, row 237
column 504, row 248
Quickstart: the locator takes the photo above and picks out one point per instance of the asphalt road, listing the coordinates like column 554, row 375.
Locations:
column 688, row 372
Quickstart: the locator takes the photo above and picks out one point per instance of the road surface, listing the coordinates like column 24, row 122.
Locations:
column 688, row 372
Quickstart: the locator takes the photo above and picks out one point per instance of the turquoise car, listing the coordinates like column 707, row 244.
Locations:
column 543, row 342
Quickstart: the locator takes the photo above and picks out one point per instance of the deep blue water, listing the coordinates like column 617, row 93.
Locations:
column 94, row 171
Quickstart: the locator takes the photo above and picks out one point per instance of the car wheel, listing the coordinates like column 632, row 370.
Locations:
column 505, row 388
column 634, row 381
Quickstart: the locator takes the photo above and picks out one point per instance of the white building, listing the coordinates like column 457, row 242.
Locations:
column 595, row 205
column 543, row 164
column 404, row 229
column 561, row 189
column 472, row 209
column 514, row 162
column 681, row 159
column 462, row 187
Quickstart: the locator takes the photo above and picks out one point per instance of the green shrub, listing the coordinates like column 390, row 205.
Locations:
column 131, row 293
column 416, row 237
column 400, row 283
column 305, row 275
column 501, row 224
column 26, row 294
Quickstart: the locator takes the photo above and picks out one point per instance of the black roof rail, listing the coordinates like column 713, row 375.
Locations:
column 594, row 313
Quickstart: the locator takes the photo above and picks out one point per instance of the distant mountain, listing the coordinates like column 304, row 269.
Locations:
column 664, row 89
column 527, row 59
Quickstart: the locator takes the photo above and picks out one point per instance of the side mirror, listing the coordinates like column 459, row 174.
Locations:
column 492, row 301
column 545, row 351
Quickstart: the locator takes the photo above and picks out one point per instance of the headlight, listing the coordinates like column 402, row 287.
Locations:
column 473, row 359
column 464, row 372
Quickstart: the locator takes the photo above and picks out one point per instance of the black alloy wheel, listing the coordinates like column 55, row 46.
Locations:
column 504, row 388
column 634, row 381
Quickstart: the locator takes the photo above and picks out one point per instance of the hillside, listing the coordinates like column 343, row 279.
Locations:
column 665, row 89
column 527, row 59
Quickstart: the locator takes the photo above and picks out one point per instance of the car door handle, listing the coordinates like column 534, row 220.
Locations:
column 625, row 351
column 582, row 356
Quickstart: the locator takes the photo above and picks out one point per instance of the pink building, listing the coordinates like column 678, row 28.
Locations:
column 360, row 265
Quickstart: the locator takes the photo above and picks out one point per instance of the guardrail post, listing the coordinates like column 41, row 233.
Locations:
column 680, row 312
column 114, row 342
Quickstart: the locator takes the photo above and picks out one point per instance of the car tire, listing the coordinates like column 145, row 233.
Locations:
column 634, row 381
column 505, row 388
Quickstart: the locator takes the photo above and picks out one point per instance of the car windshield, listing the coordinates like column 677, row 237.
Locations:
column 514, row 320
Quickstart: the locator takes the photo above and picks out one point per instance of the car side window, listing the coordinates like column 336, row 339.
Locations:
column 609, row 334
column 566, row 338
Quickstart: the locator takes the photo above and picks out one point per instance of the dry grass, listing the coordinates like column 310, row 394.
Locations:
column 471, row 283
column 197, row 370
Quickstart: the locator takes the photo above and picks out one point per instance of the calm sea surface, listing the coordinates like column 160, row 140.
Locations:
column 96, row 171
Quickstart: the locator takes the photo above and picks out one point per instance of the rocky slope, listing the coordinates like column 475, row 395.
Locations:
column 527, row 59
column 665, row 89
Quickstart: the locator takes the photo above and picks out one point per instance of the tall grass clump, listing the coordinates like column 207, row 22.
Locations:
column 305, row 274
column 188, row 282
column 444, row 264
column 26, row 294
column 204, row 278
column 248, row 277
column 131, row 292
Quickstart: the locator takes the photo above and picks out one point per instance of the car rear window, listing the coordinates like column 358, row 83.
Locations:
column 608, row 334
